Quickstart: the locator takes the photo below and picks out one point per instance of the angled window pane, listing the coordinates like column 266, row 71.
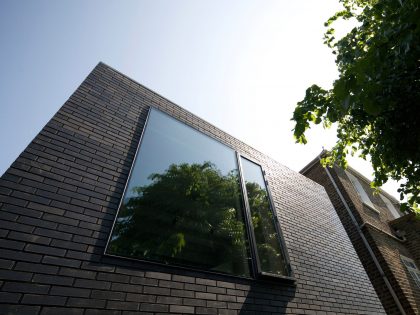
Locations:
column 390, row 206
column 183, row 202
column 362, row 193
column 263, row 221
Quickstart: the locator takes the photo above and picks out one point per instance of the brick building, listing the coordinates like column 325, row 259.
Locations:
column 386, row 240
column 114, row 209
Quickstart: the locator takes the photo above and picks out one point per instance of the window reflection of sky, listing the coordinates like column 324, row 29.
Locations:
column 253, row 173
column 167, row 141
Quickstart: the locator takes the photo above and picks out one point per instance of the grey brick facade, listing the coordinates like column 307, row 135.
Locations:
column 378, row 228
column 58, row 201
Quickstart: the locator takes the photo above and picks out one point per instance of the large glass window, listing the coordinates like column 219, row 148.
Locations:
column 183, row 203
column 263, row 223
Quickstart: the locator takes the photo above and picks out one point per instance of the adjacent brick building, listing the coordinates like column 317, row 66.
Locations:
column 386, row 240
column 60, row 198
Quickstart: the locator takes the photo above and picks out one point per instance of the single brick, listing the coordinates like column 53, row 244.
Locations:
column 80, row 302
column 181, row 309
column 15, row 255
column 61, row 311
column 8, row 297
column 153, row 307
column 108, row 295
column 206, row 310
column 193, row 302
column 20, row 309
column 205, row 296
column 92, row 284
column 39, row 249
column 118, row 305
column 15, row 275
column 69, row 291
column 47, row 279
column 43, row 299
column 169, row 300
column 227, row 298
column 25, row 287
column 77, row 273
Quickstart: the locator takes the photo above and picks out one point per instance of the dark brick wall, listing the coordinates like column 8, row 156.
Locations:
column 378, row 233
column 59, row 198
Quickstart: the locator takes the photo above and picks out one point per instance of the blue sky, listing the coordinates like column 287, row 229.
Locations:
column 241, row 65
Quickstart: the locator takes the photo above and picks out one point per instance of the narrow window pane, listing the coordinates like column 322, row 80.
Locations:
column 390, row 206
column 262, row 217
column 183, row 202
column 362, row 193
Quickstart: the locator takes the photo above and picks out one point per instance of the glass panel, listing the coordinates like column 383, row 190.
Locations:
column 390, row 206
column 183, row 202
column 263, row 224
column 408, row 262
column 362, row 193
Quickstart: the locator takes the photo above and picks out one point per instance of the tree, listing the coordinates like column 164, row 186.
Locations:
column 375, row 101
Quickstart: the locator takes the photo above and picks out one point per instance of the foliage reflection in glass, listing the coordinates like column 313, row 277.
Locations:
column 183, row 203
column 268, row 246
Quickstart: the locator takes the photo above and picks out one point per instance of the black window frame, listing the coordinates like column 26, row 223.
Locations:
column 255, row 268
column 256, row 261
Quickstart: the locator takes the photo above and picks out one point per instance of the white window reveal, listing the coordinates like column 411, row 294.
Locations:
column 362, row 193
column 412, row 269
column 390, row 206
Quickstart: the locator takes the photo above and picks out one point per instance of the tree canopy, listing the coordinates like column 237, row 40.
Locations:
column 375, row 100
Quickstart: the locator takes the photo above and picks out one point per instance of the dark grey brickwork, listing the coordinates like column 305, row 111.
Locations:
column 59, row 198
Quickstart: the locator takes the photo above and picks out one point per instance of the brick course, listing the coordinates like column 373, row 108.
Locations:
column 59, row 198
column 379, row 232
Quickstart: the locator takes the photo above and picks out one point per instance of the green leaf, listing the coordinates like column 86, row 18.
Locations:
column 372, row 107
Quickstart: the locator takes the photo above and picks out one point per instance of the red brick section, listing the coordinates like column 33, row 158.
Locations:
column 378, row 232
column 411, row 226
column 59, row 198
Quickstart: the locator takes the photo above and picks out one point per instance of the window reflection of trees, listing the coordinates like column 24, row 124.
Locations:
column 191, row 214
column 268, row 248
